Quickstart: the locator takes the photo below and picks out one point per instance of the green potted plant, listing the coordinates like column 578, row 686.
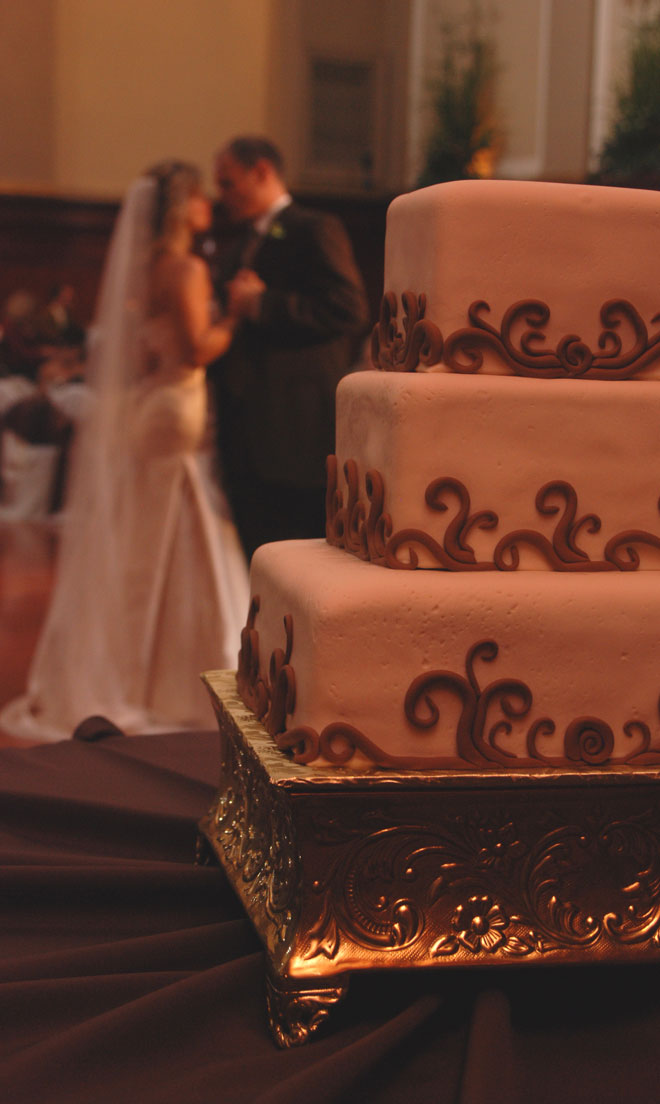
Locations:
column 631, row 154
column 462, row 139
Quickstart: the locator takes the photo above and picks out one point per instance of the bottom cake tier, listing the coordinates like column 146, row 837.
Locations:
column 346, row 662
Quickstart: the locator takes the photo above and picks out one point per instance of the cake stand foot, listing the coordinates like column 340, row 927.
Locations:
column 295, row 1011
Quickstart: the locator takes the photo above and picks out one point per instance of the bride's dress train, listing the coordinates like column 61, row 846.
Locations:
column 153, row 584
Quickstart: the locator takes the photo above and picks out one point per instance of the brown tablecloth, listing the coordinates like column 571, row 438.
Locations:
column 129, row 974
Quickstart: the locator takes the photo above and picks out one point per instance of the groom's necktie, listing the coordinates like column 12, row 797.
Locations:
column 250, row 247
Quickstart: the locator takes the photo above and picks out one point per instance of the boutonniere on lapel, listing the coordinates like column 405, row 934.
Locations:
column 277, row 231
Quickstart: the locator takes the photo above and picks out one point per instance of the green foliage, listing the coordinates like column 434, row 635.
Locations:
column 462, row 109
column 632, row 152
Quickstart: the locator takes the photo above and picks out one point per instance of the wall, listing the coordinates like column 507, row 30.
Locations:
column 520, row 34
column 566, row 152
column 92, row 90
column 27, row 118
column 371, row 31
column 46, row 240
column 139, row 81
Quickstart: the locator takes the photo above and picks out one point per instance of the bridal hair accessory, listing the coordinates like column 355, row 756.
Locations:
column 175, row 181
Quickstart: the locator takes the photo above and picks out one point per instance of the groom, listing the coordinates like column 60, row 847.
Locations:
column 292, row 279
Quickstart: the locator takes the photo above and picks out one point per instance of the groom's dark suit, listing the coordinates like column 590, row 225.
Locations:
column 275, row 388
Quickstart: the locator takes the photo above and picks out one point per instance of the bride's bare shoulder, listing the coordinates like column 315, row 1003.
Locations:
column 186, row 270
column 193, row 267
column 174, row 275
column 167, row 265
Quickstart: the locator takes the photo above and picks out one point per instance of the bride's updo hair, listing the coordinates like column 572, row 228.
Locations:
column 176, row 181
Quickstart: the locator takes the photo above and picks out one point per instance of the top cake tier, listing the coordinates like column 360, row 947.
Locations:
column 534, row 279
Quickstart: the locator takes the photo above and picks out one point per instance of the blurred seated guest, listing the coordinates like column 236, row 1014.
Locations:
column 55, row 323
column 291, row 278
column 64, row 363
column 21, row 351
column 34, row 443
column 37, row 423
column 14, row 388
column 62, row 378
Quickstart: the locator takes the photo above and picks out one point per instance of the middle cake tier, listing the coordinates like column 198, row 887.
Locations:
column 345, row 662
column 470, row 473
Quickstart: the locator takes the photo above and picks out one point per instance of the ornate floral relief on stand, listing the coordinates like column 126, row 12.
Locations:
column 254, row 831
column 485, row 884
column 399, row 870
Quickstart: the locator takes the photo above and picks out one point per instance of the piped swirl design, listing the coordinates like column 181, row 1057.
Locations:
column 369, row 533
column 421, row 344
column 486, row 718
column 273, row 698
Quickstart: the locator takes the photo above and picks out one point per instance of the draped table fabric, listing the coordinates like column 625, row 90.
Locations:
column 130, row 974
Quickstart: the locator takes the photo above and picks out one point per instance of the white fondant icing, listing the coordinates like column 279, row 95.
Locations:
column 504, row 438
column 584, row 645
column 572, row 246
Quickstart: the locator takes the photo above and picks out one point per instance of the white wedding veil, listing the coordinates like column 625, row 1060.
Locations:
column 79, row 666
column 151, row 583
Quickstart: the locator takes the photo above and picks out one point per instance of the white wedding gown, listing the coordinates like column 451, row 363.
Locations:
column 153, row 587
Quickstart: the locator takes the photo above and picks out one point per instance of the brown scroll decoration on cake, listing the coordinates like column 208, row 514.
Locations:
column 271, row 699
column 454, row 554
column 587, row 742
column 562, row 552
column 420, row 342
column 369, row 534
column 621, row 551
column 528, row 355
column 351, row 527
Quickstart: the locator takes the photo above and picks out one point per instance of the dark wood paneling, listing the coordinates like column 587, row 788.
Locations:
column 46, row 240
column 50, row 240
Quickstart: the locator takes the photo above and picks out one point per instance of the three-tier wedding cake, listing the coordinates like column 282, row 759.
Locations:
column 488, row 595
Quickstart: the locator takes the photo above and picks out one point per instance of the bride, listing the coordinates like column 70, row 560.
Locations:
column 151, row 585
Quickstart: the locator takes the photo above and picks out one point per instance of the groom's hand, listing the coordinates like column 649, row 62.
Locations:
column 244, row 294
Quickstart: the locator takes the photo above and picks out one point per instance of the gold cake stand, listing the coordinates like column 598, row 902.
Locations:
column 342, row 871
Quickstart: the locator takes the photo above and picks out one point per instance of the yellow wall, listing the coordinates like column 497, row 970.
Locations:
column 368, row 31
column 102, row 88
column 518, row 36
column 139, row 80
column 91, row 91
column 27, row 124
column 569, row 90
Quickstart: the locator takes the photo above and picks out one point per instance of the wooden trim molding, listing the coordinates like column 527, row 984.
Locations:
column 45, row 240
